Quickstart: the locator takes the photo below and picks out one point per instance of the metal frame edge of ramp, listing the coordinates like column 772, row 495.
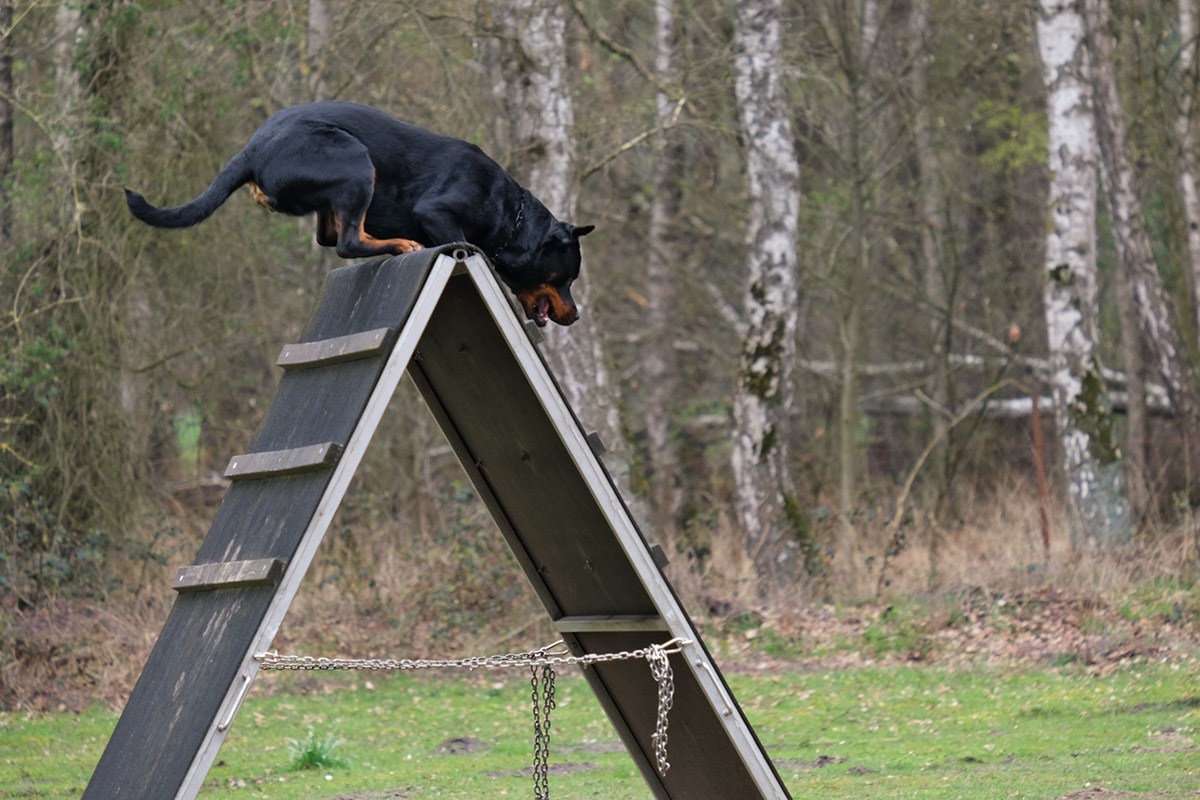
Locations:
column 441, row 316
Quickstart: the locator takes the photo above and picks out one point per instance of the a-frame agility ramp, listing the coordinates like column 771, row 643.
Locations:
column 440, row 315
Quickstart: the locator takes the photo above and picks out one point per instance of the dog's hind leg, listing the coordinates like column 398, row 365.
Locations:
column 349, row 209
column 328, row 171
column 355, row 242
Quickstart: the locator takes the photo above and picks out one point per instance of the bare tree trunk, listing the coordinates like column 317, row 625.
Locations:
column 1186, row 141
column 764, row 393
column 70, row 61
column 1129, row 229
column 530, row 79
column 933, row 270
column 850, row 335
column 6, row 124
column 528, row 65
column 1083, row 415
column 1134, row 442
column 319, row 23
column 870, row 30
column 858, row 38
column 931, row 217
column 69, row 32
column 661, row 255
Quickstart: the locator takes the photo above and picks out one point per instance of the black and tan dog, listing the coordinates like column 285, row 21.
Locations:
column 379, row 186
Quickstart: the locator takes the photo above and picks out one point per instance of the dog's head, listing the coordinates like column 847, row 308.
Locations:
column 545, row 288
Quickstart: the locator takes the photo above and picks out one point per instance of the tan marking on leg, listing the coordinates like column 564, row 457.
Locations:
column 401, row 245
column 260, row 196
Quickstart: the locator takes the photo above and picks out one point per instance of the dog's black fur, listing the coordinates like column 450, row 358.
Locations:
column 380, row 186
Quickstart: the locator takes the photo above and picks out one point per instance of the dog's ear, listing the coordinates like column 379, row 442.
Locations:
column 565, row 233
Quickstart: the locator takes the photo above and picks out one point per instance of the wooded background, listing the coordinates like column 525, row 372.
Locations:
column 842, row 247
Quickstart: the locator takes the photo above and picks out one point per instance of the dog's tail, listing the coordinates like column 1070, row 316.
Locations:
column 233, row 175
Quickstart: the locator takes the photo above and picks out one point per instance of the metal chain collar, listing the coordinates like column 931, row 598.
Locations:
column 516, row 225
column 548, row 657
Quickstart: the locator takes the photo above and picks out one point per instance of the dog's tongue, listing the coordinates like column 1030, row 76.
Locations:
column 541, row 311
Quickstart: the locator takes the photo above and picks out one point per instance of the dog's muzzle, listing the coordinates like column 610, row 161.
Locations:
column 547, row 303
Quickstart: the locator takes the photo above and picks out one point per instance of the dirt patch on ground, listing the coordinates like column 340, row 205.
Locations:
column 67, row 655
column 1041, row 626
column 817, row 763
column 1100, row 793
column 1175, row 748
column 461, row 746
column 593, row 747
column 565, row 768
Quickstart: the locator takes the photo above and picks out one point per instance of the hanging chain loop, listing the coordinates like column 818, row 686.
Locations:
column 660, row 668
column 546, row 658
column 541, row 728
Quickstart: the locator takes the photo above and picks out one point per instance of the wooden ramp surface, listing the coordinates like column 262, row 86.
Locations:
column 440, row 315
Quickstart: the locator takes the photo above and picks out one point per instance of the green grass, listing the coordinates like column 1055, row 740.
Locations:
column 928, row 732
column 316, row 752
column 1170, row 601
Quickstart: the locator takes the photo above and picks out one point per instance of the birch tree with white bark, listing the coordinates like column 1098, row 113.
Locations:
column 1186, row 141
column 1082, row 413
column 527, row 62
column 320, row 22
column 764, row 394
column 1134, row 251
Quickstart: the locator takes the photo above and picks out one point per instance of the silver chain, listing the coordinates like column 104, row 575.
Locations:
column 548, row 657
column 554, row 654
column 541, row 728
column 660, row 668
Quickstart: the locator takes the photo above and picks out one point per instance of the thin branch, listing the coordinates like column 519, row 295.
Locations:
column 158, row 362
column 16, row 321
column 726, row 310
column 894, row 536
column 636, row 140
column 5, row 447
column 17, row 21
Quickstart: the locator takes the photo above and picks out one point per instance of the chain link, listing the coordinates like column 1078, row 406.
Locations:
column 541, row 729
column 548, row 657
column 554, row 654
column 660, row 668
